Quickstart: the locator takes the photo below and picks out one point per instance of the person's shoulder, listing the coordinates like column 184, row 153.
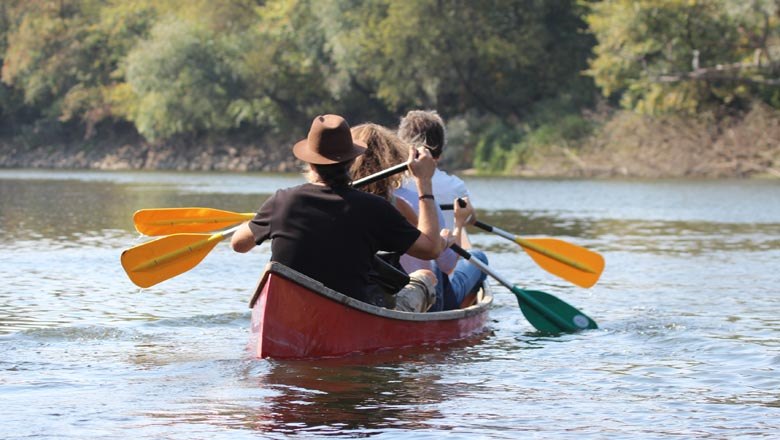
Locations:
column 442, row 180
column 448, row 187
column 409, row 183
column 405, row 193
column 446, row 177
column 296, row 188
column 293, row 190
column 356, row 194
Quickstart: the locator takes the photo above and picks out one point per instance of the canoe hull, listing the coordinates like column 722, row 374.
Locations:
column 294, row 317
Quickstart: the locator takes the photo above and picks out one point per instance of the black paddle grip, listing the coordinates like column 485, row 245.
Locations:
column 483, row 226
column 460, row 251
column 450, row 206
column 462, row 203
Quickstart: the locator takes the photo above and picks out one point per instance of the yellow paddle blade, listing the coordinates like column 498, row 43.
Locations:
column 568, row 261
column 158, row 260
column 164, row 221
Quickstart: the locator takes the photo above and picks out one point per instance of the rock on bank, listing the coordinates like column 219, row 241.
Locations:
column 141, row 155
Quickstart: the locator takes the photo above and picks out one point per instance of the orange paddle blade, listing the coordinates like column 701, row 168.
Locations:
column 164, row 221
column 158, row 260
column 573, row 263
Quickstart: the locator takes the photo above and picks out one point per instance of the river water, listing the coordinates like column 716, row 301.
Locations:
column 688, row 308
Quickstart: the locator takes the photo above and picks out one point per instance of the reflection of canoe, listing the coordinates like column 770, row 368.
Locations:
column 294, row 316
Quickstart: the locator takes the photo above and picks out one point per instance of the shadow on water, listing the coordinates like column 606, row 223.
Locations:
column 384, row 390
column 365, row 394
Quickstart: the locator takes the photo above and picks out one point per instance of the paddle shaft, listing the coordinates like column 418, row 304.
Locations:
column 161, row 259
column 527, row 297
column 480, row 265
column 525, row 243
column 506, row 283
column 479, row 224
column 401, row 167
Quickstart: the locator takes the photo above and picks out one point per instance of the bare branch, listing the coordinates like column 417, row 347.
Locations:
column 751, row 73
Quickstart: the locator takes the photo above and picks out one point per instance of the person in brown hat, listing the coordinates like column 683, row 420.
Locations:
column 329, row 231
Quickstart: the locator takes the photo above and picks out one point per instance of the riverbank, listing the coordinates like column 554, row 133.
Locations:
column 134, row 153
column 630, row 145
column 624, row 145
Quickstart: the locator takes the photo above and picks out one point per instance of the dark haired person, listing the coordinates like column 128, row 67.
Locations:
column 330, row 231
column 426, row 128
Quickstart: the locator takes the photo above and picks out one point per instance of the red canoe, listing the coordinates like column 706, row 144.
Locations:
column 294, row 316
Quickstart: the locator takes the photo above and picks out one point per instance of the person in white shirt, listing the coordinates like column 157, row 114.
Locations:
column 426, row 128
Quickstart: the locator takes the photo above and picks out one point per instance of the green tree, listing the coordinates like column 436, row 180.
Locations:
column 175, row 68
column 183, row 80
column 7, row 100
column 495, row 57
column 64, row 55
column 284, row 68
column 684, row 55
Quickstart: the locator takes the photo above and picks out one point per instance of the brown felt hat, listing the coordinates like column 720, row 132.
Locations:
column 329, row 141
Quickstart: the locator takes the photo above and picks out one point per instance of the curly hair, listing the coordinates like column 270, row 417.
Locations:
column 385, row 149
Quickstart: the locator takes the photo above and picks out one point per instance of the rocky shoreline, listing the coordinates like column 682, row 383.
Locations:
column 662, row 161
column 626, row 145
column 147, row 156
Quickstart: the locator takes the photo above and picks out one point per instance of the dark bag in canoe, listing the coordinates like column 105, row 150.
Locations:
column 386, row 278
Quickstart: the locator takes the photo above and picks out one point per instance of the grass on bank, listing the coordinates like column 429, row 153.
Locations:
column 624, row 143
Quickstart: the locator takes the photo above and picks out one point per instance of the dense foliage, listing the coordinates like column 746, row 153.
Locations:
column 508, row 74
column 687, row 55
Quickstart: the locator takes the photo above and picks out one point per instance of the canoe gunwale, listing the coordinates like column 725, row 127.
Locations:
column 485, row 299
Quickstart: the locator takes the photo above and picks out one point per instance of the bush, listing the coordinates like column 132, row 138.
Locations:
column 183, row 80
column 499, row 147
column 495, row 147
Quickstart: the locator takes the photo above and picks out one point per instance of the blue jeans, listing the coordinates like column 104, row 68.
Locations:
column 452, row 289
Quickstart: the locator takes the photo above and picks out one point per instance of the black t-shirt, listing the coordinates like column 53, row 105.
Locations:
column 331, row 234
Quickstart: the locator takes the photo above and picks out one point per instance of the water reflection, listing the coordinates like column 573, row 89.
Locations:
column 398, row 388
column 344, row 396
column 74, row 211
column 366, row 394
column 60, row 211
column 652, row 236
column 538, row 223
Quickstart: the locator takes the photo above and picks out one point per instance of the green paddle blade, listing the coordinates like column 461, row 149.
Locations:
column 550, row 314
